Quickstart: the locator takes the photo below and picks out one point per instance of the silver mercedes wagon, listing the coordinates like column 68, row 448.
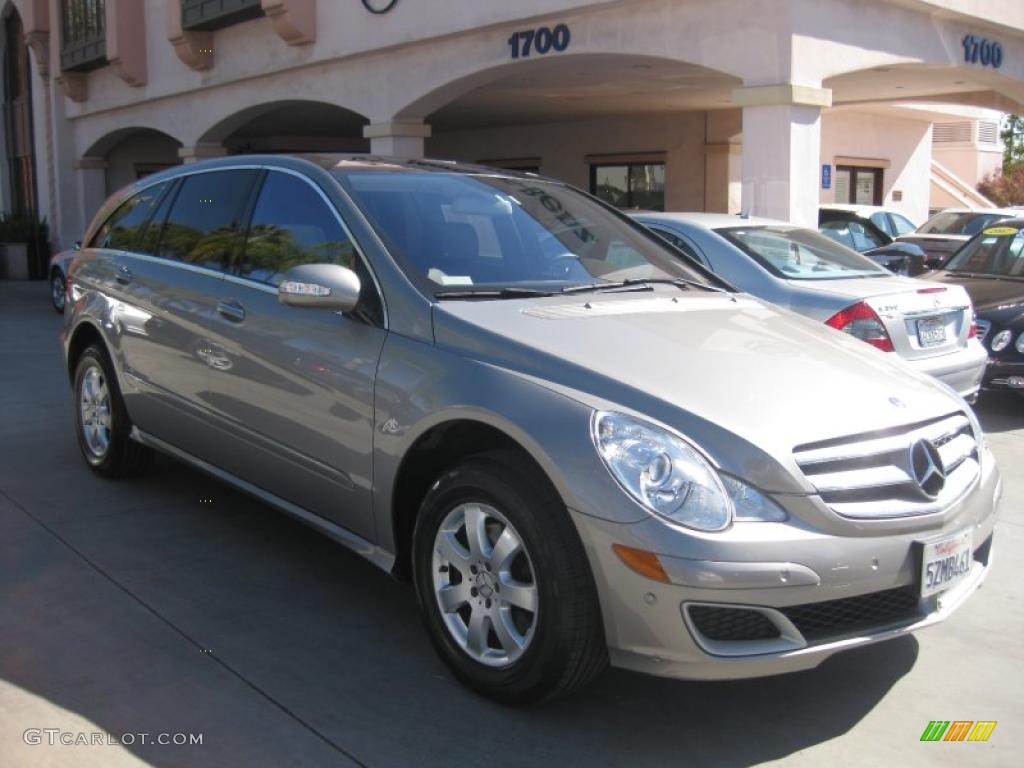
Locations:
column 577, row 447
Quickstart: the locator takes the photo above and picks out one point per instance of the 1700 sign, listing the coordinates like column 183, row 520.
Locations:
column 540, row 41
column 978, row 50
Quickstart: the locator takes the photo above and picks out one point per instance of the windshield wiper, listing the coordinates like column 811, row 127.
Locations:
column 641, row 284
column 487, row 293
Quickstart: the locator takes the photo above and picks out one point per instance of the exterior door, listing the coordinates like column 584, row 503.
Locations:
column 172, row 280
column 295, row 386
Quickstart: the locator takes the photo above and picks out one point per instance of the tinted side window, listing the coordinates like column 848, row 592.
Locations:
column 678, row 242
column 291, row 225
column 121, row 230
column 203, row 227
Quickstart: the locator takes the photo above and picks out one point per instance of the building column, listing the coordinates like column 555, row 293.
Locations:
column 202, row 151
column 397, row 139
column 92, row 179
column 782, row 150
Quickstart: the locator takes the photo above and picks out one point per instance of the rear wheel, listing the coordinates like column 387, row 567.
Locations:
column 57, row 291
column 101, row 421
column 503, row 583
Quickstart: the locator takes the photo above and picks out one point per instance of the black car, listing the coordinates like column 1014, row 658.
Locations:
column 863, row 235
column 991, row 268
column 944, row 233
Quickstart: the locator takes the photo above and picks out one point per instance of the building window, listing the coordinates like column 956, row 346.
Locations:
column 638, row 186
column 857, row 185
column 214, row 14
column 84, row 35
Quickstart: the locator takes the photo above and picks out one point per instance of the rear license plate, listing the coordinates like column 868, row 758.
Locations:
column 931, row 332
column 945, row 563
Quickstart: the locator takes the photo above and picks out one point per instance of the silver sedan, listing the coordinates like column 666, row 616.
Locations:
column 802, row 270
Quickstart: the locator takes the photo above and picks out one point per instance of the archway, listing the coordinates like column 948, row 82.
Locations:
column 289, row 126
column 129, row 154
column 634, row 129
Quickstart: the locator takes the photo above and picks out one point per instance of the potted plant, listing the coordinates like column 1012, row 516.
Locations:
column 24, row 246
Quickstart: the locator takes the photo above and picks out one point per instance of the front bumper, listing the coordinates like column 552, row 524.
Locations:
column 1000, row 375
column 774, row 568
column 962, row 370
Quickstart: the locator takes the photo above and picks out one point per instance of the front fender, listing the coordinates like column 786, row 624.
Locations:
column 420, row 386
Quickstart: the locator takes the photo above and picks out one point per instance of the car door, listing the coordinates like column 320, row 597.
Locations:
column 294, row 388
column 173, row 275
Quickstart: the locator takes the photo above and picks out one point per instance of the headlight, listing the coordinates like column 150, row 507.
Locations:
column 662, row 472
column 1001, row 341
column 1020, row 343
column 750, row 504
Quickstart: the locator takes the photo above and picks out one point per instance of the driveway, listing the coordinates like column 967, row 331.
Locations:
column 173, row 605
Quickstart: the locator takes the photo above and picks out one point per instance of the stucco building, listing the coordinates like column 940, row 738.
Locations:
column 769, row 106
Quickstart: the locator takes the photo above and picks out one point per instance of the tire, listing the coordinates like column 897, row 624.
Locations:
column 101, row 421
column 541, row 654
column 57, row 298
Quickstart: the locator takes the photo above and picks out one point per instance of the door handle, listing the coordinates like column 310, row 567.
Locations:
column 231, row 309
column 123, row 275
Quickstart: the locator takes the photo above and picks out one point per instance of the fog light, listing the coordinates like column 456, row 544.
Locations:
column 1017, row 382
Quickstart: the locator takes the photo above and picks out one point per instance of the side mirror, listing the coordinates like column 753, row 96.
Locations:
column 934, row 262
column 323, row 286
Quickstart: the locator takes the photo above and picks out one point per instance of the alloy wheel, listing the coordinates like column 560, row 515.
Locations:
column 484, row 584
column 94, row 406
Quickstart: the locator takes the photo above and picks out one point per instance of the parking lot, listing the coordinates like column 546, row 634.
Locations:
column 174, row 604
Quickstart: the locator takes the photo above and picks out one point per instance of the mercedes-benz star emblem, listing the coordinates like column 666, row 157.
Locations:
column 926, row 464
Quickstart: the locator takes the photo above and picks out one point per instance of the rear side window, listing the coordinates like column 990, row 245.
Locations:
column 678, row 242
column 122, row 229
column 203, row 227
column 291, row 225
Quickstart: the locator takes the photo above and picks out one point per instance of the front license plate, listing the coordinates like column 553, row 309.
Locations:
column 945, row 563
column 931, row 332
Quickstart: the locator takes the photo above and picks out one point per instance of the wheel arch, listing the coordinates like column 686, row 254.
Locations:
column 84, row 335
column 442, row 445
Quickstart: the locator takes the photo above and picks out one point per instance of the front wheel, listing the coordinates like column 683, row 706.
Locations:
column 504, row 584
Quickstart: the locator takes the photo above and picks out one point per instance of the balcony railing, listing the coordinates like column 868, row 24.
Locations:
column 214, row 14
column 84, row 29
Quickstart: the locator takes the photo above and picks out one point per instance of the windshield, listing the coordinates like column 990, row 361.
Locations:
column 997, row 251
column 800, row 254
column 951, row 223
column 460, row 234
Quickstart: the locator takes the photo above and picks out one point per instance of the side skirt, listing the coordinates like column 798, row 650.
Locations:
column 381, row 558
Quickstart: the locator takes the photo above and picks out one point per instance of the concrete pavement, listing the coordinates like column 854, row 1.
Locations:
column 173, row 604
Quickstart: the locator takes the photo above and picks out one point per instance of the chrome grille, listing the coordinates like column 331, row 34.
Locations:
column 874, row 475
column 984, row 326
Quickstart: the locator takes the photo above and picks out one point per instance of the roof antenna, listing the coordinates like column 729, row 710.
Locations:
column 744, row 213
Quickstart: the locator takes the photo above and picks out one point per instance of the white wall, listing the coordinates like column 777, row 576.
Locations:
column 563, row 147
column 905, row 144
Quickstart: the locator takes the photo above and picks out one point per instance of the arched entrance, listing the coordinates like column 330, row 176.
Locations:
column 289, row 126
column 632, row 129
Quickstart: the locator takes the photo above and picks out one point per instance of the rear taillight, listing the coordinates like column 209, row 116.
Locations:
column 861, row 321
column 973, row 333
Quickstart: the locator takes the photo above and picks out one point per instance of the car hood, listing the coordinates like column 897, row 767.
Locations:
column 987, row 293
column 714, row 366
